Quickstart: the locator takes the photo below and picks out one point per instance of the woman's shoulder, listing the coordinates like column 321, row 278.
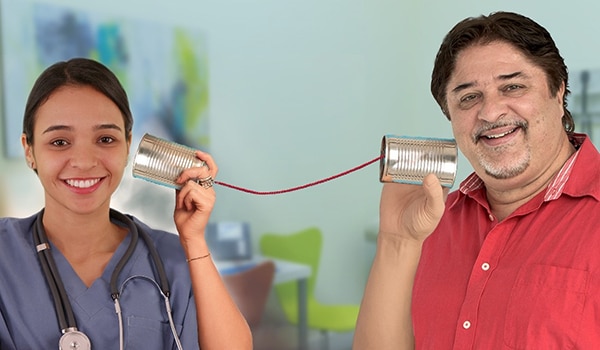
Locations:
column 167, row 243
column 16, row 237
column 155, row 234
column 15, row 226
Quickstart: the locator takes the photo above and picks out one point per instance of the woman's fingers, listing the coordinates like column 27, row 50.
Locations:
column 195, row 195
column 203, row 175
column 196, row 192
column 209, row 161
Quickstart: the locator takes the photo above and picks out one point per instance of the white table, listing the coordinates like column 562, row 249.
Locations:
column 285, row 271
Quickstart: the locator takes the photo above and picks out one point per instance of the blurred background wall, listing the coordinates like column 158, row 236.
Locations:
column 301, row 90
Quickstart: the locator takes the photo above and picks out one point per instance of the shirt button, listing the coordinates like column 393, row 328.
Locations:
column 485, row 266
column 491, row 217
column 467, row 325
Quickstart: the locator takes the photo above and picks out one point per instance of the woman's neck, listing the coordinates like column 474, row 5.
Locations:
column 88, row 242
column 81, row 235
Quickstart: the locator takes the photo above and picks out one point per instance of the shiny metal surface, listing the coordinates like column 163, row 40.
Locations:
column 410, row 159
column 74, row 340
column 161, row 161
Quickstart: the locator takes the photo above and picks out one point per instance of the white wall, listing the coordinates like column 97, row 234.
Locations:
column 301, row 90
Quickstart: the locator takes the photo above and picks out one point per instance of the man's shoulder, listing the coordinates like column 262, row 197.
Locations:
column 584, row 179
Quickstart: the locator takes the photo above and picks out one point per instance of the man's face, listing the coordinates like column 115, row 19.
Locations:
column 504, row 118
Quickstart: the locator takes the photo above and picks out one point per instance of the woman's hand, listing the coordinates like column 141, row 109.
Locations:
column 220, row 323
column 194, row 202
column 411, row 211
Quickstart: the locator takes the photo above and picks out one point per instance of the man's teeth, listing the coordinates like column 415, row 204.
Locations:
column 82, row 183
column 497, row 136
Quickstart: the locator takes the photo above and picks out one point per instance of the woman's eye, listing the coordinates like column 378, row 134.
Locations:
column 59, row 143
column 106, row 139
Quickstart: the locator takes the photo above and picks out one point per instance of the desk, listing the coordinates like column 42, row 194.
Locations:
column 285, row 271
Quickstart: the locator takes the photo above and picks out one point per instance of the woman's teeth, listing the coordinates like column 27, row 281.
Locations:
column 82, row 183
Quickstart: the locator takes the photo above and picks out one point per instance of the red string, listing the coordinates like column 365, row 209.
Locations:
column 302, row 186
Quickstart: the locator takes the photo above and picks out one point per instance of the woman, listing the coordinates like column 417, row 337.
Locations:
column 77, row 133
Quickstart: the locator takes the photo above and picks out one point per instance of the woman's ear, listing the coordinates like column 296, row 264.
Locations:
column 128, row 148
column 29, row 158
column 129, row 142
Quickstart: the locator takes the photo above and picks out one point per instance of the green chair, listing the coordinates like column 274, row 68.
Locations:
column 304, row 247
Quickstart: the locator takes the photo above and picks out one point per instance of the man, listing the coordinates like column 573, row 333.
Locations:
column 511, row 260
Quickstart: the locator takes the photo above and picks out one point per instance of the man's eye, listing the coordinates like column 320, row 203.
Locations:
column 468, row 101
column 468, row 98
column 512, row 87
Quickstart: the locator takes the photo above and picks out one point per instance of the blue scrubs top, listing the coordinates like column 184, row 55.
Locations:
column 28, row 318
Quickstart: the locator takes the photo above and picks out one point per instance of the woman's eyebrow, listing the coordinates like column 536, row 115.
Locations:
column 70, row 128
column 107, row 126
column 57, row 127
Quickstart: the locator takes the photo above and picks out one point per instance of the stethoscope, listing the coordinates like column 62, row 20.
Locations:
column 72, row 338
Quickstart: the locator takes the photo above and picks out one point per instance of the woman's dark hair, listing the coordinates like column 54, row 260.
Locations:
column 74, row 72
column 523, row 33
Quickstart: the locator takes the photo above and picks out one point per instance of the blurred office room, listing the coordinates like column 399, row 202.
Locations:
column 282, row 94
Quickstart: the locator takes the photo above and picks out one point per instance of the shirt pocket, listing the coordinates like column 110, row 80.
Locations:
column 144, row 334
column 545, row 308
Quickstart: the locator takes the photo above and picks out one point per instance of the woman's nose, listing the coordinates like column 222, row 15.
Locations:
column 83, row 157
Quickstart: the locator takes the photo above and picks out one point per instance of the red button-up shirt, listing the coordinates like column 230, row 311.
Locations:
column 531, row 281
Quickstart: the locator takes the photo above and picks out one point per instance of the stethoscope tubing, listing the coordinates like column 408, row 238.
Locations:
column 66, row 318
column 135, row 233
column 64, row 310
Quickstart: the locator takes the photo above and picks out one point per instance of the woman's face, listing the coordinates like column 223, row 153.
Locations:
column 80, row 149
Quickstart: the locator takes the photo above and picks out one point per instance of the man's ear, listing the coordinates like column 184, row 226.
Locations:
column 561, row 93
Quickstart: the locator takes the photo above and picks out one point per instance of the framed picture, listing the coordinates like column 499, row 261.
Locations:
column 163, row 68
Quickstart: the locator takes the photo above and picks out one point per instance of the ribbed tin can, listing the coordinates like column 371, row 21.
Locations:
column 410, row 159
column 161, row 161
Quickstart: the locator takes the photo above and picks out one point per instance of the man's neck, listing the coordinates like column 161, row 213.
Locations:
column 505, row 199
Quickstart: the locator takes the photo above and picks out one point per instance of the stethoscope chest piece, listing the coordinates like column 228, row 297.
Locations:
column 74, row 340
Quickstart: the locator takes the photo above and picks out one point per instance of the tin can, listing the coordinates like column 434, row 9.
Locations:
column 409, row 159
column 161, row 161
